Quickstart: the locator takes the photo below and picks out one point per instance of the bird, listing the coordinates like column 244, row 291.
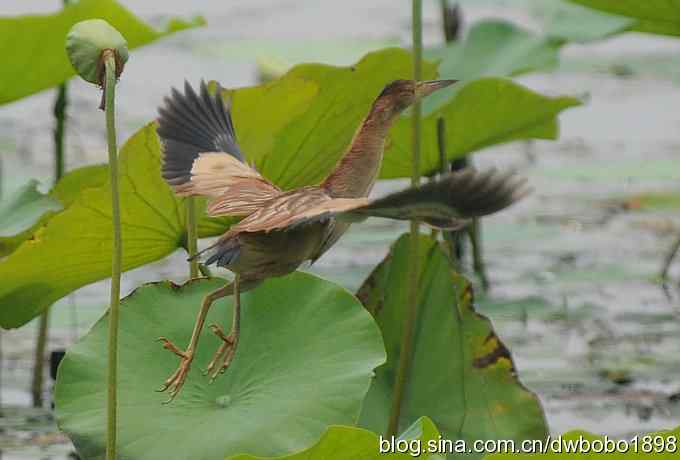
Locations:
column 281, row 229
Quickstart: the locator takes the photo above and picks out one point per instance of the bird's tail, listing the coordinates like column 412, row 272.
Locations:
column 219, row 253
column 222, row 253
column 449, row 202
column 191, row 123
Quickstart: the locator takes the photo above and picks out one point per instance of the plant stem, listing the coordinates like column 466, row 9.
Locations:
column 205, row 271
column 441, row 146
column 668, row 260
column 1, row 362
column 39, row 359
column 417, row 75
column 59, row 112
column 475, row 233
column 414, row 269
column 452, row 23
column 192, row 244
column 451, row 20
column 444, row 168
column 43, row 324
column 451, row 26
column 117, row 256
column 60, row 105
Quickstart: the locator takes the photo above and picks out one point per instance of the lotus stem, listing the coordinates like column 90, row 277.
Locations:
column 192, row 243
column 475, row 233
column 414, row 268
column 112, row 401
column 60, row 105
column 43, row 326
column 450, row 238
column 668, row 260
column 1, row 361
column 39, row 359
column 98, row 53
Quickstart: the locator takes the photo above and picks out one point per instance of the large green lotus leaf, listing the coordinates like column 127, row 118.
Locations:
column 652, row 16
column 74, row 182
column 575, row 23
column 304, row 362
column 32, row 46
column 296, row 128
column 481, row 113
column 63, row 194
column 69, row 249
column 73, row 248
column 23, row 208
column 494, row 47
column 462, row 375
column 351, row 443
column 587, row 446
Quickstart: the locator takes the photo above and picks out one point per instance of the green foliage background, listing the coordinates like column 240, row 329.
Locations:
column 314, row 111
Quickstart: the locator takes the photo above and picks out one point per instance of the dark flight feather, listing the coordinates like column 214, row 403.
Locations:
column 190, row 124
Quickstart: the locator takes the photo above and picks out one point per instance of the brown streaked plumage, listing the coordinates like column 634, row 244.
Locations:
column 281, row 230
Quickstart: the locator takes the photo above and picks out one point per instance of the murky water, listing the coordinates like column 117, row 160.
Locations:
column 573, row 290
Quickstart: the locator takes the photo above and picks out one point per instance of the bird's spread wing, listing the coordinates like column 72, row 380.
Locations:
column 236, row 188
column 446, row 203
column 308, row 204
column 201, row 155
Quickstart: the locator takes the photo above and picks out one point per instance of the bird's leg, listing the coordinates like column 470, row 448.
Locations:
column 175, row 382
column 225, row 353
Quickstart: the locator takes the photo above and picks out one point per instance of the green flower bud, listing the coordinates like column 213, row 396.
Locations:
column 86, row 43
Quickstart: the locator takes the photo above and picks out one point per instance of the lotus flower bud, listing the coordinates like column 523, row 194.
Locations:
column 86, row 43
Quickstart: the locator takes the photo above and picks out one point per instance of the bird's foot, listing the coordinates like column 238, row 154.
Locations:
column 175, row 382
column 224, row 354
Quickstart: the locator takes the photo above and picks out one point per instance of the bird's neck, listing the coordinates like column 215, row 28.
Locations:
column 357, row 170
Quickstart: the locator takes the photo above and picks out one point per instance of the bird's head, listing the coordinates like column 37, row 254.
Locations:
column 401, row 94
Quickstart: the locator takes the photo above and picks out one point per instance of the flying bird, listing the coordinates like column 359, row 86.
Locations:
column 281, row 229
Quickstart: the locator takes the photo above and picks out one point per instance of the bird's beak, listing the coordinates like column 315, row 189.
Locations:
column 427, row 87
